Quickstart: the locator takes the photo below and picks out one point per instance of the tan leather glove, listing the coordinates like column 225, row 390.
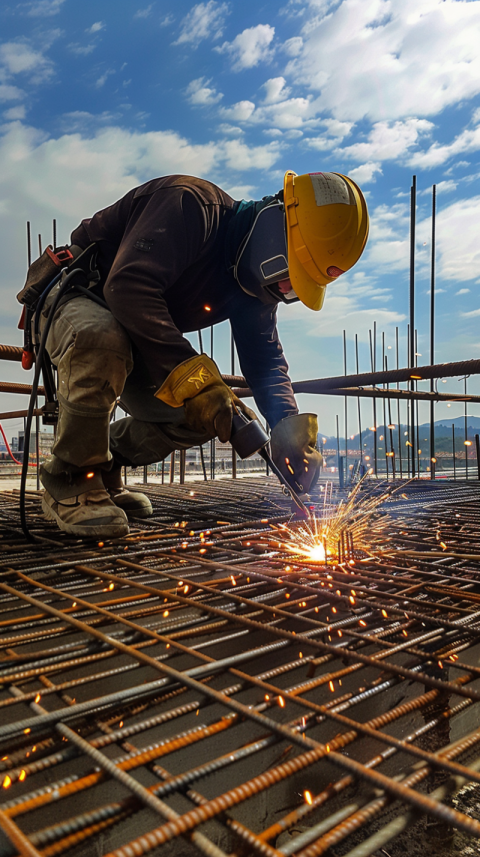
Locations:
column 293, row 443
column 209, row 402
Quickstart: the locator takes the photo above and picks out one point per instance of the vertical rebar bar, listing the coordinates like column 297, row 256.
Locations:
column 374, row 402
column 40, row 251
column 477, row 447
column 408, row 408
column 392, row 448
column 466, row 430
column 384, row 409
column 29, row 244
column 417, row 421
column 172, row 467
column 183, row 461
column 453, row 442
column 37, row 446
column 212, row 442
column 204, row 469
column 54, row 233
column 338, row 446
column 345, row 401
column 432, row 333
column 413, row 194
column 358, row 403
column 398, row 410
column 232, row 369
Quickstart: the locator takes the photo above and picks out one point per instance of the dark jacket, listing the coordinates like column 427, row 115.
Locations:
column 162, row 256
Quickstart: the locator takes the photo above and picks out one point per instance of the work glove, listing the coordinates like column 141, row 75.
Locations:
column 293, row 443
column 209, row 402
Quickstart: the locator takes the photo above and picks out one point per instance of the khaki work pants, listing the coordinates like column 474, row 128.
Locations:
column 93, row 356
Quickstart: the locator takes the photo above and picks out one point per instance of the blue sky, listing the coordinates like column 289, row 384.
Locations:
column 98, row 97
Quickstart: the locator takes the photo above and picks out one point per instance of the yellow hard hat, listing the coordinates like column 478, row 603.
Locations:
column 327, row 229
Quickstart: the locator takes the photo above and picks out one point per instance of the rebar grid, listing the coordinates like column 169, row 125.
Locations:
column 193, row 689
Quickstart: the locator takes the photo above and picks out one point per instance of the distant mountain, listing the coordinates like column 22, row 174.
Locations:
column 458, row 422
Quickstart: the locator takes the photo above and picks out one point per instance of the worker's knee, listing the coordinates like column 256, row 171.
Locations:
column 92, row 353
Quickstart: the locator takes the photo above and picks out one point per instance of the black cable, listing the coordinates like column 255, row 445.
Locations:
column 33, row 396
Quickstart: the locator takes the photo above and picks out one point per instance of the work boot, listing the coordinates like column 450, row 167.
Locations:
column 78, row 502
column 133, row 503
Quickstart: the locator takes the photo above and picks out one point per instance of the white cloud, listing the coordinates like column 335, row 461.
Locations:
column 388, row 141
column 321, row 144
column 143, row 13
column 457, row 240
column 167, row 20
column 463, row 292
column 101, row 81
column 285, row 115
column 250, row 47
column 336, row 128
column 10, row 93
column 45, row 8
column 14, row 113
column 239, row 112
column 199, row 93
column 227, row 129
column 467, row 141
column 81, row 50
column 204, row 21
column 20, row 58
column 446, row 186
column 240, row 191
column 385, row 60
column 85, row 122
column 347, row 304
column 239, row 156
column 293, row 46
column 365, row 173
column 95, row 28
column 36, row 170
column 275, row 90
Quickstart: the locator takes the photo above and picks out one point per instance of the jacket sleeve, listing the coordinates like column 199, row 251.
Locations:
column 262, row 360
column 164, row 234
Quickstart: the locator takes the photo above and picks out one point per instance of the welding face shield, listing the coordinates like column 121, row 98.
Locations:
column 262, row 261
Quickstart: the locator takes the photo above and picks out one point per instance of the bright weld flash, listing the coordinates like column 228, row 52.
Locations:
column 308, row 797
column 281, row 701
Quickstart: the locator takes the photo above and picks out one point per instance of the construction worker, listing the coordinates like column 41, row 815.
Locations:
column 174, row 255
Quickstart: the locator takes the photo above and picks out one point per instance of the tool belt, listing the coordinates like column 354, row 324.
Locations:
column 42, row 276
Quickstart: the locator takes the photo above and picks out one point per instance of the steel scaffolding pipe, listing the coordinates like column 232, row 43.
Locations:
column 25, row 389
column 11, row 352
column 361, row 392
column 366, row 379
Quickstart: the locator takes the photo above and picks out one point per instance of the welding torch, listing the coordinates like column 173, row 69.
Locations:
column 247, row 438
